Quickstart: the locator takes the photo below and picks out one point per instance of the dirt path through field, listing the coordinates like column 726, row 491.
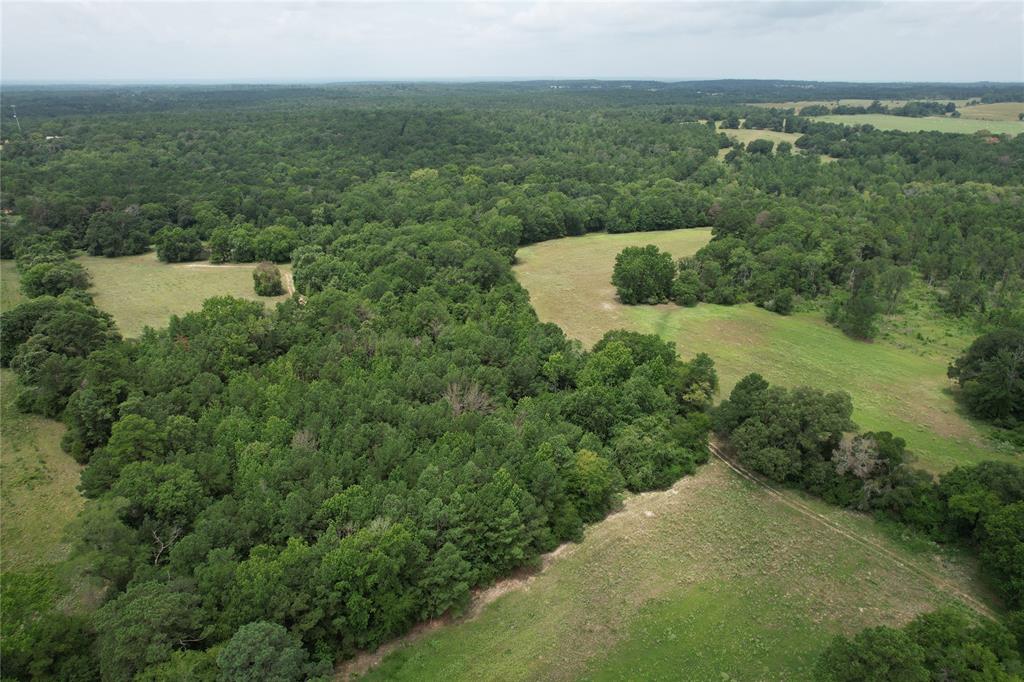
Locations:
column 879, row 549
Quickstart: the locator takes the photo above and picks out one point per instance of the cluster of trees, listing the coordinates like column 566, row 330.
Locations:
column 915, row 109
column 47, row 269
column 319, row 478
column 943, row 645
column 991, row 378
column 804, row 437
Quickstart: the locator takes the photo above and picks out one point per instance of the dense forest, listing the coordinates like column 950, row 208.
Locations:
column 295, row 485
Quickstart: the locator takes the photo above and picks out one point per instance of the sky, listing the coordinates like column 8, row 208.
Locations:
column 154, row 42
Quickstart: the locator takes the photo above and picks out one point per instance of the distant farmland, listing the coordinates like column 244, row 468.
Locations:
column 912, row 125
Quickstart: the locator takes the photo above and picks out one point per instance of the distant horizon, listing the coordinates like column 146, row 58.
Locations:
column 272, row 42
column 442, row 80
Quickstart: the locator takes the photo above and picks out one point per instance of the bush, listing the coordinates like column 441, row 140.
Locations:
column 267, row 280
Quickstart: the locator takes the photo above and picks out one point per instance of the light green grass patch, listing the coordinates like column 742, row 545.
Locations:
column 712, row 577
column 939, row 124
column 140, row 291
column 898, row 383
column 37, row 485
column 1000, row 111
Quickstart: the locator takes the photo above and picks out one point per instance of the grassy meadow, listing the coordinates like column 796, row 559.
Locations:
column 37, row 479
column 140, row 291
column 713, row 579
column 940, row 124
column 746, row 136
column 898, row 383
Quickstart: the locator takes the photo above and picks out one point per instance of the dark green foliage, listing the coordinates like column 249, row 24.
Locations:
column 144, row 626
column 784, row 433
column 115, row 233
column 263, row 652
column 267, row 280
column 45, row 341
column 991, row 376
column 53, row 279
column 945, row 644
column 760, row 146
column 178, row 245
column 643, row 275
column 855, row 310
column 46, row 268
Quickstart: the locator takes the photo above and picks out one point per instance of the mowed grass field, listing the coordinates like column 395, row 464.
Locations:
column 713, row 579
column 898, row 383
column 913, row 125
column 37, row 479
column 140, row 291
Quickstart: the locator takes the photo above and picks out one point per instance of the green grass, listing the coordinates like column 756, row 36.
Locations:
column 712, row 579
column 37, row 485
column 940, row 124
column 10, row 291
column 140, row 291
column 898, row 383
column 37, row 479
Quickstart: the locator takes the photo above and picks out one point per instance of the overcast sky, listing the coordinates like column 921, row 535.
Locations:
column 341, row 41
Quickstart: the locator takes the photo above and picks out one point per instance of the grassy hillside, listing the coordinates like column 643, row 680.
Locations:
column 898, row 383
column 713, row 579
column 141, row 291
column 942, row 125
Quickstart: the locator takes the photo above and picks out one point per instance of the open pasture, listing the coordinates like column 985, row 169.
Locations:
column 715, row 578
column 898, row 383
column 963, row 124
column 140, row 291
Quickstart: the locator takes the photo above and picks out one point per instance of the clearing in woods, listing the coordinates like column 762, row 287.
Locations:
column 898, row 383
column 140, row 291
column 715, row 578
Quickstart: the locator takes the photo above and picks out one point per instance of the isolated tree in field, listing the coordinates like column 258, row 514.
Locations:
column 643, row 274
column 177, row 245
column 760, row 146
column 991, row 375
column 267, row 280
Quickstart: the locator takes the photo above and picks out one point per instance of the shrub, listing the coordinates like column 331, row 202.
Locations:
column 267, row 280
